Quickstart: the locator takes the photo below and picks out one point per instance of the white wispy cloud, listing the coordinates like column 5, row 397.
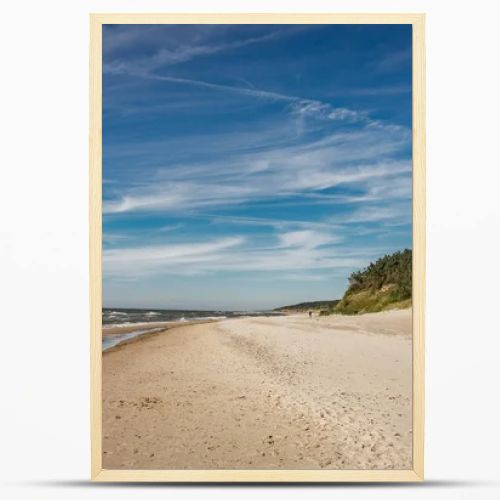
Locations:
column 154, row 258
column 183, row 52
column 130, row 203
column 339, row 159
column 306, row 239
column 393, row 60
column 277, row 224
column 299, row 106
column 233, row 189
column 299, row 252
column 169, row 228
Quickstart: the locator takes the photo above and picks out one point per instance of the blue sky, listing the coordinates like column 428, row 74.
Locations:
column 251, row 166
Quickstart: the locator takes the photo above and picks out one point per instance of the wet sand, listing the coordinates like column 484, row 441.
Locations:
column 286, row 392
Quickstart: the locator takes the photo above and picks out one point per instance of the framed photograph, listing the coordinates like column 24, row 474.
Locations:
column 257, row 247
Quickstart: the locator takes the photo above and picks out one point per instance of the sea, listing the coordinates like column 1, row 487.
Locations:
column 141, row 321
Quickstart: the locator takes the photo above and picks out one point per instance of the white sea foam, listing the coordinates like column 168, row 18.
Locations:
column 116, row 325
column 111, row 341
column 204, row 318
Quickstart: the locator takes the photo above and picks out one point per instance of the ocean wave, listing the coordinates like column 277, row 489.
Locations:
column 112, row 318
column 203, row 318
column 116, row 325
column 111, row 341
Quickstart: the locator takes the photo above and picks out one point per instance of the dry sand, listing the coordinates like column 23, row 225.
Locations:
column 286, row 392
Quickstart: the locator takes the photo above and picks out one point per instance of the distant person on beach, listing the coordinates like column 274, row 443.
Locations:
column 310, row 314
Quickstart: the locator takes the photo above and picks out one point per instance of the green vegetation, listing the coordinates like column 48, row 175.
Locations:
column 385, row 284
column 309, row 306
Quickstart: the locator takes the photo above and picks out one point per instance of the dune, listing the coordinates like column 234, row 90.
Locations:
column 288, row 392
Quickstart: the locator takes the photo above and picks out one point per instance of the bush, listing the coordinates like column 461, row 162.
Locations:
column 395, row 269
column 384, row 284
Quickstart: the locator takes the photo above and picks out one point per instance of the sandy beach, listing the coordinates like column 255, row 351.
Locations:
column 288, row 392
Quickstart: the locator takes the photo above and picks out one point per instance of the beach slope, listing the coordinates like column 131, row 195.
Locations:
column 288, row 392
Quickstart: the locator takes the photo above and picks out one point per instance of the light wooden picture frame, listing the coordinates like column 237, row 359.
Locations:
column 98, row 473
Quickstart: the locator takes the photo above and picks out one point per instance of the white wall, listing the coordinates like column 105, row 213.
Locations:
column 43, row 248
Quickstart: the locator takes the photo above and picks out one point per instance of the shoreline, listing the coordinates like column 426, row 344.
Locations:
column 156, row 329
column 258, row 392
column 148, row 333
